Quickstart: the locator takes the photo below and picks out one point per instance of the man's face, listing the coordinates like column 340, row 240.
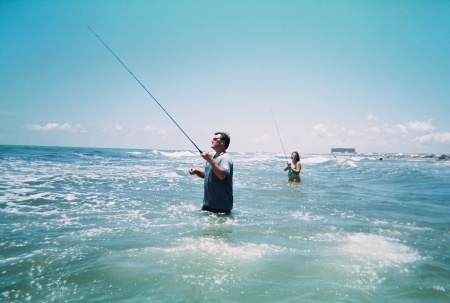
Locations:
column 216, row 141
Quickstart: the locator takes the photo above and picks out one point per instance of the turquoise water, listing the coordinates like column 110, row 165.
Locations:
column 116, row 225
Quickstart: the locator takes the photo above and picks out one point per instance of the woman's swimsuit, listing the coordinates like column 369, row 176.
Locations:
column 293, row 176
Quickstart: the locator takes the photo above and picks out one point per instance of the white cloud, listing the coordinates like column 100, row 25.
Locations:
column 321, row 131
column 262, row 138
column 118, row 127
column 409, row 126
column 6, row 113
column 56, row 127
column 400, row 128
column 398, row 136
column 150, row 128
column 421, row 126
column 371, row 117
column 437, row 137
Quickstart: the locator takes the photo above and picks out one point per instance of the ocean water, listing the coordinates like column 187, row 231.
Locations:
column 117, row 225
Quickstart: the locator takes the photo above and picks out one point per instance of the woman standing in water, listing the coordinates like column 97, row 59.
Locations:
column 294, row 168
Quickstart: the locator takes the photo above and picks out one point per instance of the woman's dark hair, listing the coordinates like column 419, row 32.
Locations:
column 297, row 154
column 225, row 137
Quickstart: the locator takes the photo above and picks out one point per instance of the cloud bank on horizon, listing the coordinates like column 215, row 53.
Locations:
column 384, row 136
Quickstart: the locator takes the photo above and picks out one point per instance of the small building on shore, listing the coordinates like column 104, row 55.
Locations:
column 343, row 150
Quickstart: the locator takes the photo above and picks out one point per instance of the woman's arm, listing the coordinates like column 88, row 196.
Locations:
column 288, row 166
column 298, row 169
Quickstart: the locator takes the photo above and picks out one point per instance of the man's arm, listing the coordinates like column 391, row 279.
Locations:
column 200, row 173
column 218, row 171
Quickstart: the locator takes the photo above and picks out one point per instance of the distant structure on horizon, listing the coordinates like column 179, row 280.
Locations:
column 343, row 150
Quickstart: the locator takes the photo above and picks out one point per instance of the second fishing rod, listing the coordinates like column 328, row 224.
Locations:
column 148, row 92
column 279, row 135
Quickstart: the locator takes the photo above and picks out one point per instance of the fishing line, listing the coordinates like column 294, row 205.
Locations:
column 143, row 87
column 279, row 134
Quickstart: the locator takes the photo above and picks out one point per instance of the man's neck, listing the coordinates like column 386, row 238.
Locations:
column 219, row 153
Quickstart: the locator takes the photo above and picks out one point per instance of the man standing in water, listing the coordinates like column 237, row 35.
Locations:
column 218, row 176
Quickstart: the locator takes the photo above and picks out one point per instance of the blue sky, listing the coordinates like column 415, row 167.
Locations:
column 373, row 75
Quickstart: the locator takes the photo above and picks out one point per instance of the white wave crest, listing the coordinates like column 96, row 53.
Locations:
column 211, row 247
column 178, row 154
column 378, row 249
column 314, row 160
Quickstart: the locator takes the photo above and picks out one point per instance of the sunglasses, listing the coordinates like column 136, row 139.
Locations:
column 215, row 139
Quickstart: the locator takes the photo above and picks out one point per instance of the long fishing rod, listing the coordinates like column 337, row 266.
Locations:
column 279, row 134
column 143, row 87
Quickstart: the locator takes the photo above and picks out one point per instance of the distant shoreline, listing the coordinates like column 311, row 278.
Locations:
column 381, row 156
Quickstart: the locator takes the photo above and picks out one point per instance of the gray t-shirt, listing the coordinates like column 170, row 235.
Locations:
column 219, row 193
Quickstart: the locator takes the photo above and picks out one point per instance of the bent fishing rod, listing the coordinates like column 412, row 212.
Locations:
column 279, row 135
column 144, row 87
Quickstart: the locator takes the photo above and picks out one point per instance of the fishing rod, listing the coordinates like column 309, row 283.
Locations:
column 143, row 87
column 278, row 134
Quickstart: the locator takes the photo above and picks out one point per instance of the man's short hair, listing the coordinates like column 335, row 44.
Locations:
column 225, row 137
